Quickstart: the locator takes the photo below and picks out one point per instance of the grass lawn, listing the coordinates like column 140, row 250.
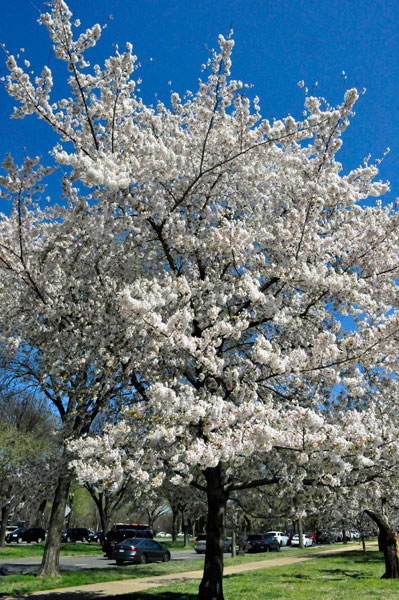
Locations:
column 348, row 577
column 342, row 577
column 11, row 551
column 24, row 584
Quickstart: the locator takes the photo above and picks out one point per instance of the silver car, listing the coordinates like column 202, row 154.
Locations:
column 200, row 544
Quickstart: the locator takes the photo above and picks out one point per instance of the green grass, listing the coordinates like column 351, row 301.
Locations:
column 23, row 584
column 34, row 550
column 351, row 567
column 341, row 577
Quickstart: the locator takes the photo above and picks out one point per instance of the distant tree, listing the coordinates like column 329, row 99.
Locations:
column 28, row 455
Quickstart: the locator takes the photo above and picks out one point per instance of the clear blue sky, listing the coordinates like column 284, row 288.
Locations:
column 278, row 43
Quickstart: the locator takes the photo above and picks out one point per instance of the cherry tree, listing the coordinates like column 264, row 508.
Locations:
column 58, row 319
column 211, row 267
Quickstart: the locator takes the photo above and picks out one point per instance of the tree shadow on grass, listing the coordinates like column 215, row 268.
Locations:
column 355, row 556
column 344, row 574
column 296, row 576
column 159, row 595
column 83, row 595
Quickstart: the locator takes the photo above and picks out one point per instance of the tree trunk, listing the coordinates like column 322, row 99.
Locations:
column 363, row 544
column 51, row 555
column 40, row 513
column 388, row 542
column 5, row 513
column 185, row 530
column 300, row 532
column 233, row 543
column 344, row 538
column 211, row 587
column 175, row 512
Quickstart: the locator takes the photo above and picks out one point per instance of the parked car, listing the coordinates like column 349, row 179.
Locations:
column 280, row 536
column 113, row 537
column 262, row 542
column 200, row 544
column 307, row 541
column 95, row 536
column 76, row 534
column 28, row 534
column 290, row 535
column 325, row 537
column 139, row 550
column 312, row 535
column 163, row 534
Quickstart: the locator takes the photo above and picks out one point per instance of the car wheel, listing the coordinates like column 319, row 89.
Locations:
column 278, row 548
column 119, row 562
column 143, row 559
column 267, row 549
column 19, row 540
column 166, row 557
column 68, row 539
column 198, row 551
column 39, row 540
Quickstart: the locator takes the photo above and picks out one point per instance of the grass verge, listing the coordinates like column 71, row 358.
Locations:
column 350, row 576
column 35, row 550
column 24, row 584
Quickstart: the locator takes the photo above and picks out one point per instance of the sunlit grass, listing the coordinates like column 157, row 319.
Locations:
column 34, row 550
column 350, row 576
column 23, row 584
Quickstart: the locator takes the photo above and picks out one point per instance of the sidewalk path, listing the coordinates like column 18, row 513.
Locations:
column 112, row 589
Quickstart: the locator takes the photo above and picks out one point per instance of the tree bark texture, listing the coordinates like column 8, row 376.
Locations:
column 300, row 532
column 388, row 542
column 5, row 513
column 211, row 587
column 363, row 544
column 102, row 508
column 51, row 555
column 233, row 543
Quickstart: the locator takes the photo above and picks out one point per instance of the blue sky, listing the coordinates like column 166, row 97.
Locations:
column 278, row 43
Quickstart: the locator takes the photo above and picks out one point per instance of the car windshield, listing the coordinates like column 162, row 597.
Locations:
column 19, row 530
column 201, row 538
column 254, row 537
column 134, row 541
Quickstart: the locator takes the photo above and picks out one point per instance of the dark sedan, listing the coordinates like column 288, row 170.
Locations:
column 262, row 542
column 113, row 537
column 140, row 550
